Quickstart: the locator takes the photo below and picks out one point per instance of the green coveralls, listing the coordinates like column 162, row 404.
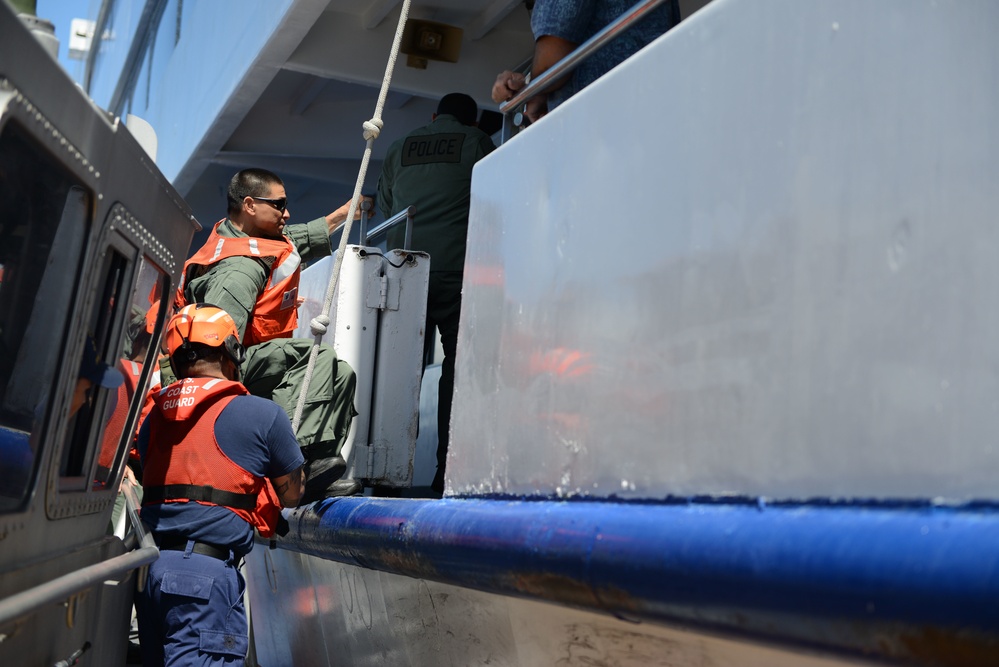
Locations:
column 431, row 169
column 276, row 369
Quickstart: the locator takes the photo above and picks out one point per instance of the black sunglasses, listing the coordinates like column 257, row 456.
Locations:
column 279, row 204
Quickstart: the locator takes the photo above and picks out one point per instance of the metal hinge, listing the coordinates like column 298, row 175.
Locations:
column 388, row 293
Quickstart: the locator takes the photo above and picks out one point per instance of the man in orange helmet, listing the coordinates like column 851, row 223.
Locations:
column 208, row 451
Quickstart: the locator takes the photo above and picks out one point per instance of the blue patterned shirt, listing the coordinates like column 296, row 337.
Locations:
column 578, row 20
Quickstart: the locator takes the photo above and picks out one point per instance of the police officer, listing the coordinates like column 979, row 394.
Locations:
column 250, row 267
column 431, row 169
column 208, row 449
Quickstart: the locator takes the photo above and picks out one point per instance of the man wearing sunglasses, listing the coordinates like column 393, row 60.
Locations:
column 250, row 267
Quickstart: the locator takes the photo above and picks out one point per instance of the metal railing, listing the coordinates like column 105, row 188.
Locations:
column 61, row 588
column 568, row 64
column 383, row 228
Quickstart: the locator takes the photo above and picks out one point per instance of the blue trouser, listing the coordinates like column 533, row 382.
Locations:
column 191, row 612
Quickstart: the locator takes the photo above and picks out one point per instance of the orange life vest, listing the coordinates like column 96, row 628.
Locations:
column 184, row 462
column 275, row 314
column 147, row 407
column 116, row 423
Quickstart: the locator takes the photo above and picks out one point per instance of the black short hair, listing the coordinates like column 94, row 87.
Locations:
column 459, row 105
column 249, row 183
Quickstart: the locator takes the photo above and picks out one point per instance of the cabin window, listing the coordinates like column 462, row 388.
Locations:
column 42, row 232
column 100, row 408
column 139, row 352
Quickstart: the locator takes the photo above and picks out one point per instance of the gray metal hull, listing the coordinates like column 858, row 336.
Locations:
column 311, row 612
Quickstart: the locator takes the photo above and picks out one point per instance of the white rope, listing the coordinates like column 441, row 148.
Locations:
column 372, row 128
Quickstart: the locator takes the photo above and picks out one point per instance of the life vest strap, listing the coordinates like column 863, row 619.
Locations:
column 206, row 494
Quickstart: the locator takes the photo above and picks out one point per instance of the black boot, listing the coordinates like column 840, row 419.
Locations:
column 321, row 473
column 341, row 487
column 344, row 487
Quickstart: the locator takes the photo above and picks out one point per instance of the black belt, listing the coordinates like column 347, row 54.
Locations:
column 204, row 548
column 208, row 494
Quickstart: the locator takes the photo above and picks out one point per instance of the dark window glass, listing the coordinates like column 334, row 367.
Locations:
column 42, row 232
column 98, row 401
column 139, row 353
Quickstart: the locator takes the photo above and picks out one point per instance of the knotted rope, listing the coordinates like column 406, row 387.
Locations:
column 372, row 128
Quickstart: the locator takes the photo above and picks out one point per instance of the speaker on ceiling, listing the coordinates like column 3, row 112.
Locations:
column 423, row 41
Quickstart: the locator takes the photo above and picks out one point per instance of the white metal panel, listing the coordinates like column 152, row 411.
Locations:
column 378, row 320
column 396, row 402
column 353, row 328
column 769, row 240
column 425, row 458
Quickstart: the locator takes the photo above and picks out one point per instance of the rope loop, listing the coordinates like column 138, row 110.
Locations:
column 319, row 324
column 372, row 128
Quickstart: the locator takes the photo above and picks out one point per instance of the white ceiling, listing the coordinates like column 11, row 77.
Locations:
column 306, row 125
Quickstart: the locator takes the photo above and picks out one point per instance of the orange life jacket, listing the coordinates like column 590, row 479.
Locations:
column 116, row 423
column 275, row 314
column 184, row 462
column 147, row 407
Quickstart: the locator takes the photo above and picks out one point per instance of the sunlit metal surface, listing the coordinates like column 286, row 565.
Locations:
column 768, row 273
column 329, row 614
column 395, row 408
column 353, row 326
column 378, row 319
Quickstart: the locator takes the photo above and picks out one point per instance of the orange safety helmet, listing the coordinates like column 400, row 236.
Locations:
column 204, row 324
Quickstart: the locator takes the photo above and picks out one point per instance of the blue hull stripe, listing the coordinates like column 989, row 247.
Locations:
column 916, row 584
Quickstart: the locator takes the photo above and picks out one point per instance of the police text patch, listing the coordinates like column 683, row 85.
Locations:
column 432, row 148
